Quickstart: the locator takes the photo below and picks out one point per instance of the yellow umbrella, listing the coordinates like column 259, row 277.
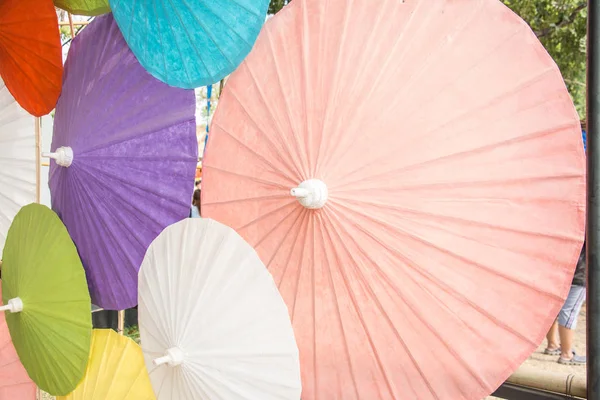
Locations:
column 115, row 371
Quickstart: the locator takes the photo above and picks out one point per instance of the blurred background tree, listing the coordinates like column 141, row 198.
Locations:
column 561, row 26
column 277, row 5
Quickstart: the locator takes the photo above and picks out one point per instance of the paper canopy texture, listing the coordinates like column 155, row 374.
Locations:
column 132, row 142
column 41, row 269
column 190, row 43
column 209, row 309
column 31, row 53
column 17, row 160
column 440, row 183
column 14, row 381
column 115, row 370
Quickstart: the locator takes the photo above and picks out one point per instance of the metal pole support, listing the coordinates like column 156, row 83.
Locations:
column 593, row 203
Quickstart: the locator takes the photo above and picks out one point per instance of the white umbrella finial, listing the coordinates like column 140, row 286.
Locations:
column 174, row 356
column 311, row 193
column 14, row 305
column 63, row 156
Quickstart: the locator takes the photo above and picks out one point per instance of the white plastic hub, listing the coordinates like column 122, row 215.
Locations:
column 14, row 305
column 174, row 356
column 63, row 156
column 311, row 194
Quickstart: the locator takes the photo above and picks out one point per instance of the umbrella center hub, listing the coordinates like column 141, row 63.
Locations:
column 312, row 193
column 63, row 156
column 174, row 357
column 14, row 305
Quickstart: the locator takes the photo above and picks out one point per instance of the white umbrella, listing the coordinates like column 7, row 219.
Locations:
column 212, row 322
column 17, row 160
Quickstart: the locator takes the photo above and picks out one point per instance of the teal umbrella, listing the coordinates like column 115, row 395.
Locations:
column 190, row 43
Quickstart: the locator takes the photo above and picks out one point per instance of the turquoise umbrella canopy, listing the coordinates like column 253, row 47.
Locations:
column 190, row 43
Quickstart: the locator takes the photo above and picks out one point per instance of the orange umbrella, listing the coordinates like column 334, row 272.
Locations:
column 437, row 161
column 14, row 381
column 30, row 53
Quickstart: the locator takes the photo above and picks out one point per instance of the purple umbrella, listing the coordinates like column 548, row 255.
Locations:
column 125, row 152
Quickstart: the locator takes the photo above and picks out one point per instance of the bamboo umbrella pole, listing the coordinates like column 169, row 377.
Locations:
column 593, row 203
column 71, row 25
column 121, row 322
column 38, row 158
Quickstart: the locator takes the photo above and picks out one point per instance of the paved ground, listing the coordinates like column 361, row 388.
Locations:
column 548, row 363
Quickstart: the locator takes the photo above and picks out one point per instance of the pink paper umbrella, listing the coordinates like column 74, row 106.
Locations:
column 412, row 174
column 14, row 381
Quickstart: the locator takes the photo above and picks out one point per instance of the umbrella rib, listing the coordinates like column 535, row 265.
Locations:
column 260, row 217
column 34, row 85
column 174, row 35
column 101, row 99
column 346, row 280
column 336, row 79
column 351, row 176
column 242, row 6
column 280, row 243
column 383, row 66
column 134, row 210
column 161, row 45
column 64, row 361
column 231, row 91
column 411, row 307
column 278, row 75
column 340, row 201
column 292, row 307
column 206, row 32
column 440, row 283
column 117, row 178
column 108, row 249
column 224, row 24
column 110, row 125
column 295, row 157
column 260, row 157
column 467, row 184
column 304, row 79
column 250, row 178
column 325, row 220
column 464, row 72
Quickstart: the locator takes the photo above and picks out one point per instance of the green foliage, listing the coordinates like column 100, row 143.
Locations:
column 133, row 332
column 276, row 5
column 561, row 26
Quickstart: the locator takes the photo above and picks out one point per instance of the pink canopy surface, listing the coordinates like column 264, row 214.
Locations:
column 440, row 201
column 14, row 381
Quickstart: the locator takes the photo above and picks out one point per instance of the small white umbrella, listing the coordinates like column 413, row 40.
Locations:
column 17, row 160
column 212, row 322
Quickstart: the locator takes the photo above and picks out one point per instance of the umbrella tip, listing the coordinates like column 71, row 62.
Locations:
column 14, row 305
column 63, row 156
column 174, row 357
column 312, row 193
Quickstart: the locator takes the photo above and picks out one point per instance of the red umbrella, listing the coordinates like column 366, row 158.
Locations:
column 30, row 53
column 412, row 175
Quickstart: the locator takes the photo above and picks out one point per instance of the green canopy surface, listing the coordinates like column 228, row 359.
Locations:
column 46, row 299
column 84, row 7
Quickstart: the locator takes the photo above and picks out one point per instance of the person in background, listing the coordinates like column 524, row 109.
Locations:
column 198, row 183
column 195, row 211
column 561, row 334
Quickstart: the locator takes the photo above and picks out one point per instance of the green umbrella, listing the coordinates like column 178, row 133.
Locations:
column 84, row 7
column 47, row 300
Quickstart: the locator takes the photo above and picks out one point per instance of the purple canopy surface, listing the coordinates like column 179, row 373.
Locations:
column 125, row 152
